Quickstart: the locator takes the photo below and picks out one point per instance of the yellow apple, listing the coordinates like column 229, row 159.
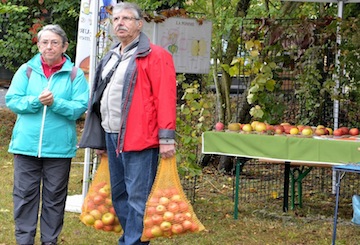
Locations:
column 330, row 131
column 260, row 127
column 307, row 131
column 247, row 127
column 253, row 124
column 294, row 131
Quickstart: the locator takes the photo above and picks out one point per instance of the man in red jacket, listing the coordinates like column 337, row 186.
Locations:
column 132, row 114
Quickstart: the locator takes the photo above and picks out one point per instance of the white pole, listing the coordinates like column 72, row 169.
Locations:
column 337, row 83
column 92, row 66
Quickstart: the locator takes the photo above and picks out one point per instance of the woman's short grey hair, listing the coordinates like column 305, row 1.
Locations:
column 130, row 7
column 55, row 29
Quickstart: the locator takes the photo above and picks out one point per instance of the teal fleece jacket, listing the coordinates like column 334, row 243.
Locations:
column 51, row 133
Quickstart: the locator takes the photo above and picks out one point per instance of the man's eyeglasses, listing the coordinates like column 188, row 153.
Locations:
column 125, row 19
column 53, row 43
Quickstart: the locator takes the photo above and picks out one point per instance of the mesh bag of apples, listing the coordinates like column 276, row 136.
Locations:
column 168, row 212
column 97, row 210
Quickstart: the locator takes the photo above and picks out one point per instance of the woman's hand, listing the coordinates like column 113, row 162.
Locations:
column 46, row 97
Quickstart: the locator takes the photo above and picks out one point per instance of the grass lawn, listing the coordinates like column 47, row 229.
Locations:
column 258, row 223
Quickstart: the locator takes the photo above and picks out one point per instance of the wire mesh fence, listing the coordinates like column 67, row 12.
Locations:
column 264, row 183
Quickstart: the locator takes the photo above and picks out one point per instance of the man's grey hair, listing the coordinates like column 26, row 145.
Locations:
column 55, row 29
column 134, row 8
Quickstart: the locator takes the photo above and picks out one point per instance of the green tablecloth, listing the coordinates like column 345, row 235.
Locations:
column 282, row 148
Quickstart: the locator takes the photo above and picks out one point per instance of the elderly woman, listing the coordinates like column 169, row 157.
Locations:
column 48, row 95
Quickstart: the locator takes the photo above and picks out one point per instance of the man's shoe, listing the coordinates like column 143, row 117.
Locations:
column 48, row 243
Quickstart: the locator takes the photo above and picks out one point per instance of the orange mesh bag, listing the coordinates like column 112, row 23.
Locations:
column 97, row 210
column 168, row 211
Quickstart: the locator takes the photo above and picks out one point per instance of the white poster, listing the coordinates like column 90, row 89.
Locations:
column 188, row 41
column 84, row 32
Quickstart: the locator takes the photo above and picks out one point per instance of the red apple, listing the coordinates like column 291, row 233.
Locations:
column 219, row 126
column 177, row 228
column 89, row 205
column 338, row 132
column 160, row 209
column 148, row 233
column 167, row 233
column 164, row 201
column 157, row 219
column 108, row 228
column 148, row 222
column 183, row 206
column 150, row 210
column 168, row 216
column 96, row 214
column 173, row 207
column 112, row 210
column 188, row 215
column 176, row 198
column 156, row 231
column 108, row 218
column 179, row 218
column 194, row 227
column 98, row 199
column 279, row 129
column 287, row 128
column 269, row 127
column 187, row 224
column 105, row 191
column 354, row 131
column 165, row 226
column 153, row 201
column 98, row 224
column 117, row 228
column 88, row 219
column 103, row 209
column 108, row 201
column 345, row 130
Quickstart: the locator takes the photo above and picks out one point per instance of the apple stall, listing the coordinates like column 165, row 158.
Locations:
column 284, row 144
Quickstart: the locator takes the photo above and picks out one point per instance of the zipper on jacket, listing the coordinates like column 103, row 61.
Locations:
column 43, row 120
column 126, row 100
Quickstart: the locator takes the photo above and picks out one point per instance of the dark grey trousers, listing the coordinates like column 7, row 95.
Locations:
column 39, row 180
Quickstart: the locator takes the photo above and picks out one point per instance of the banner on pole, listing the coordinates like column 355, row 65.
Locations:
column 85, row 37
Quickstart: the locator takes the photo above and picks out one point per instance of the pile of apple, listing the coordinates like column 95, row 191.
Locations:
column 168, row 214
column 98, row 211
column 286, row 128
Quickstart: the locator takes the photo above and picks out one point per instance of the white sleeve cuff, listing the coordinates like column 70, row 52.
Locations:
column 166, row 141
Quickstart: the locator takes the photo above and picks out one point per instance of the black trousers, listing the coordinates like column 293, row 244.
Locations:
column 45, row 181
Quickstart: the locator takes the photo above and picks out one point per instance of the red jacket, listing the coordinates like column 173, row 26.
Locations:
column 148, row 99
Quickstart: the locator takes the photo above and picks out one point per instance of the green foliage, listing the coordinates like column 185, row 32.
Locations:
column 310, row 90
column 194, row 116
column 151, row 5
column 8, row 8
column 22, row 21
column 262, row 71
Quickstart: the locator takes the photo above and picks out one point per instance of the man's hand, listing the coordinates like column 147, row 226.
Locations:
column 167, row 151
column 99, row 152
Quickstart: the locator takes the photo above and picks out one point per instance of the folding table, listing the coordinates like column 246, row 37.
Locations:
column 340, row 172
column 300, row 151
